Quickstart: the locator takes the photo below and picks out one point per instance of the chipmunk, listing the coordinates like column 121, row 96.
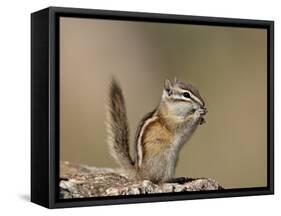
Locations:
column 160, row 134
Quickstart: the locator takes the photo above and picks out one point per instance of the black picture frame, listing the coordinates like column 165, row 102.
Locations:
column 45, row 105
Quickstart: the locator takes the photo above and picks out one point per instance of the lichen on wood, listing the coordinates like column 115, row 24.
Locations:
column 80, row 181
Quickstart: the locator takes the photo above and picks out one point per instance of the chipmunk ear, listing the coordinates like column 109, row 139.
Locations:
column 168, row 86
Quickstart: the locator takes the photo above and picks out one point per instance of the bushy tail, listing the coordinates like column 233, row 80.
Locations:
column 117, row 127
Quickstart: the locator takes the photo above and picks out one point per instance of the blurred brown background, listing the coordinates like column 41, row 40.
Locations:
column 227, row 65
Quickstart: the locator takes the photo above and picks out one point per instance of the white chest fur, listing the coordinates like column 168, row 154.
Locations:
column 171, row 156
column 182, row 136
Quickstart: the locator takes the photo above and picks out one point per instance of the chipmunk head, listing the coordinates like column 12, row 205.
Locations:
column 183, row 100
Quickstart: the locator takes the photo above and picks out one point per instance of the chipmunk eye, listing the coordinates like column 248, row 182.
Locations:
column 186, row 95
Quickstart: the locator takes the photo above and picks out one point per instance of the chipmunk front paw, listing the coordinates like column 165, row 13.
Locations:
column 203, row 111
column 199, row 115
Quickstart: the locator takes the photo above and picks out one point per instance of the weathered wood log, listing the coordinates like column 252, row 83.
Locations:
column 79, row 181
